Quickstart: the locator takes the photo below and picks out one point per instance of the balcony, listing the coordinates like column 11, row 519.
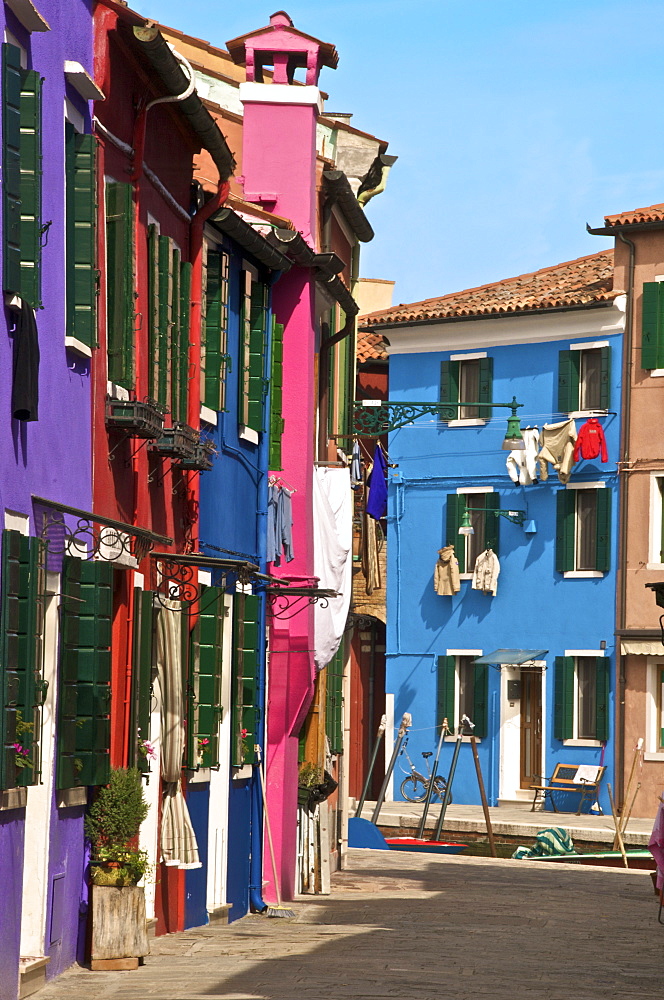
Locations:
column 140, row 419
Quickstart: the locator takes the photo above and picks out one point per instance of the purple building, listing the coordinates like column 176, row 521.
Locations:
column 47, row 261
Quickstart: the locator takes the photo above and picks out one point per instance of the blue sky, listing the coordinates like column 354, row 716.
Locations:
column 515, row 123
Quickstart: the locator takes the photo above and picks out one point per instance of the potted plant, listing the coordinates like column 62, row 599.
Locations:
column 119, row 936
column 314, row 785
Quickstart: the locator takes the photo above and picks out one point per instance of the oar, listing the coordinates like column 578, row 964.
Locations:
column 406, row 723
column 431, row 789
column 365, row 790
column 617, row 826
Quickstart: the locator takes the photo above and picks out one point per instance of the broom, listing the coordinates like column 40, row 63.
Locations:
column 278, row 910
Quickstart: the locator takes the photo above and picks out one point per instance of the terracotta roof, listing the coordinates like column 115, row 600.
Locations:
column 653, row 213
column 586, row 281
column 370, row 346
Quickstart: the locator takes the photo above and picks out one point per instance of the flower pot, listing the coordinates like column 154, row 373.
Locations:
column 119, row 928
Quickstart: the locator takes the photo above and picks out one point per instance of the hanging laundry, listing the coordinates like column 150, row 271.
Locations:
column 370, row 564
column 273, row 550
column 25, row 369
column 446, row 574
column 591, row 442
column 486, row 572
column 285, row 523
column 355, row 467
column 522, row 465
column 557, row 442
column 377, row 500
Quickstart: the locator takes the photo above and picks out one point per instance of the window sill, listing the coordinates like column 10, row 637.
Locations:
column 209, row 416
column 464, row 739
column 67, row 798
column 654, row 758
column 78, row 347
column 467, row 422
column 242, row 773
column 466, row 576
column 654, row 565
column 583, row 574
column 582, row 743
column 656, row 373
column 584, row 414
column 13, row 798
column 117, row 391
column 249, row 435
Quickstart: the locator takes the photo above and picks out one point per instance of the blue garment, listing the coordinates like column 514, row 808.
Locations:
column 377, row 483
column 355, row 467
column 285, row 523
column 272, row 548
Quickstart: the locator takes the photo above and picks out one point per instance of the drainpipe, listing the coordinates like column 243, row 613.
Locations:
column 140, row 126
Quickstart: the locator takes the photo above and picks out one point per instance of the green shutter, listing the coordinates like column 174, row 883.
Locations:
column 454, row 512
column 565, row 525
column 141, row 676
column 31, row 175
column 481, row 700
column 563, row 721
column 603, row 549
column 492, row 521
column 11, row 167
column 120, row 283
column 153, row 311
column 81, row 207
column 165, row 269
column 276, row 396
column 245, row 675
column 20, row 649
column 605, row 378
column 568, row 381
column 183, row 340
column 85, row 673
column 175, row 348
column 254, row 356
column 602, row 681
column 486, row 387
column 449, row 384
column 215, row 328
column 334, row 677
column 652, row 325
column 205, row 709
column 445, row 691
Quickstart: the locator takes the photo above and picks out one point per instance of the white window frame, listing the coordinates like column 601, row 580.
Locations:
column 583, row 574
column 576, row 741
column 478, row 490
column 590, row 345
column 467, row 421
column 655, row 532
column 653, row 752
column 457, row 654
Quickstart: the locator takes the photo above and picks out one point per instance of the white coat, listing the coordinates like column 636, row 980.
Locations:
column 485, row 574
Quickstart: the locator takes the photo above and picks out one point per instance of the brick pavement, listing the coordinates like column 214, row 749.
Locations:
column 402, row 926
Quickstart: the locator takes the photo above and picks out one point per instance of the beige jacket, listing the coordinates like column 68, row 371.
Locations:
column 557, row 442
column 485, row 574
column 446, row 574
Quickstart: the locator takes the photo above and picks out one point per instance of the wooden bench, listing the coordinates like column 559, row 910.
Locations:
column 582, row 778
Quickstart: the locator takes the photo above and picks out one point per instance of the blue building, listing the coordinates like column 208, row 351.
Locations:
column 552, row 340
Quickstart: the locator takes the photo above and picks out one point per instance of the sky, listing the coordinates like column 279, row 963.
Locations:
column 514, row 122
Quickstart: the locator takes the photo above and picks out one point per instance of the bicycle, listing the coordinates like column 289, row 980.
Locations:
column 415, row 787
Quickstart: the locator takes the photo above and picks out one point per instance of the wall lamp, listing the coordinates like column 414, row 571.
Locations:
column 515, row 516
column 373, row 417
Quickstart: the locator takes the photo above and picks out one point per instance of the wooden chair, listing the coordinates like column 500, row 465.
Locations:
column 582, row 778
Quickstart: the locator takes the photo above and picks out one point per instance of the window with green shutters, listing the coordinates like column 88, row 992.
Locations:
column 652, row 325
column 581, row 698
column 253, row 353
column 583, row 530
column 169, row 305
column 466, row 382
column 81, row 214
column 215, row 360
column 334, row 683
column 22, row 177
column 485, row 523
column 245, row 714
column 462, row 689
column 120, row 297
column 141, row 676
column 277, row 422
column 204, row 687
column 84, row 694
column 584, row 380
column 21, row 631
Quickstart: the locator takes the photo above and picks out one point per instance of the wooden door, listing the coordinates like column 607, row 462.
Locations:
column 531, row 727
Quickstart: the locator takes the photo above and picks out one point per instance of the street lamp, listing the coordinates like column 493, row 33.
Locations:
column 373, row 417
column 515, row 516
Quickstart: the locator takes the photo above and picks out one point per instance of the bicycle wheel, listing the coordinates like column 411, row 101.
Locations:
column 413, row 789
column 440, row 785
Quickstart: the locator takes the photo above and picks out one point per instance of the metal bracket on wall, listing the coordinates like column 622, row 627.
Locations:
column 284, row 603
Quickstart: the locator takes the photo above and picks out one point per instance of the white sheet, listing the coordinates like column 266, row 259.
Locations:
column 333, row 557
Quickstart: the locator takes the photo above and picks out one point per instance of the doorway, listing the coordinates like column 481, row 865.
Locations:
column 531, row 727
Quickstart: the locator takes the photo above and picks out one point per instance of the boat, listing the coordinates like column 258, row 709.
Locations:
column 637, row 859
column 424, row 846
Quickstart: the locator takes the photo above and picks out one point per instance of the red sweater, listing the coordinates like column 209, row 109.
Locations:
column 591, row 441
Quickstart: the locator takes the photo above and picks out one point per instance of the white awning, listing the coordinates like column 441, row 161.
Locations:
column 641, row 647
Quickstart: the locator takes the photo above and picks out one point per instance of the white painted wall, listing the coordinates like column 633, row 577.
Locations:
column 219, row 779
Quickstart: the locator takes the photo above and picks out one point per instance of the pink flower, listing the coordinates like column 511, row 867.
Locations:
column 149, row 749
column 244, row 732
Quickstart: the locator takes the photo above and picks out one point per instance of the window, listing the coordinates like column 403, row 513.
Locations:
column 81, row 214
column 480, row 507
column 245, row 713
column 583, row 531
column 656, row 541
column 21, row 176
column 84, row 696
column 22, row 688
column 215, row 361
column 204, row 709
column 581, row 697
column 467, row 380
column 169, row 286
column 277, row 422
column 120, row 283
column 253, row 351
column 652, row 325
column 462, row 690
column 141, row 676
column 655, row 707
column 584, row 377
column 334, row 680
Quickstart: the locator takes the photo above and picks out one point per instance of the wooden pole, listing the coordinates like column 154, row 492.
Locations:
column 617, row 826
column 365, row 790
column 406, row 723
column 635, row 759
column 485, row 804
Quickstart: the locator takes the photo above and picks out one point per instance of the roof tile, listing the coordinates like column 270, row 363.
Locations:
column 653, row 213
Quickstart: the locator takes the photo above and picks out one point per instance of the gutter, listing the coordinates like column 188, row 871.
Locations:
column 375, row 179
column 169, row 70
column 616, row 230
column 340, row 193
column 293, row 245
column 242, row 232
